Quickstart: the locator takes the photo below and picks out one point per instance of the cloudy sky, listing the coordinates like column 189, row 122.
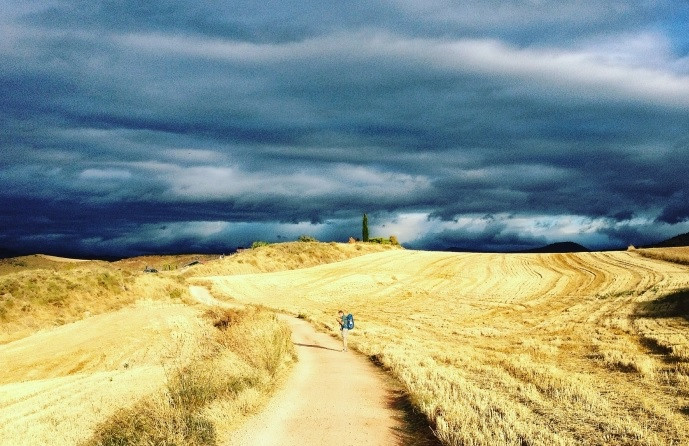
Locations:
column 128, row 127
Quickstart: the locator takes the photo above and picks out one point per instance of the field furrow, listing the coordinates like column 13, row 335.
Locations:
column 513, row 349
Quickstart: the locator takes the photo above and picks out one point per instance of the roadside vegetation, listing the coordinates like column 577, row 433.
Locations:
column 523, row 349
column 235, row 369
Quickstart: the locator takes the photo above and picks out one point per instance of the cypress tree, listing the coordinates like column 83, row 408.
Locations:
column 364, row 229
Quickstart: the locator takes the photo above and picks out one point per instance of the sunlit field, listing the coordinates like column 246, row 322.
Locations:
column 537, row 349
column 97, row 352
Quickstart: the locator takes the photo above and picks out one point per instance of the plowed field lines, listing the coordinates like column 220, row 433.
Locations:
column 549, row 348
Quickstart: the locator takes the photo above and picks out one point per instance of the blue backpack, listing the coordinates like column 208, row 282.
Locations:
column 349, row 321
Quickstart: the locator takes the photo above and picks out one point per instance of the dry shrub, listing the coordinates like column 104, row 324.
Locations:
column 155, row 420
column 237, row 367
column 260, row 340
column 222, row 318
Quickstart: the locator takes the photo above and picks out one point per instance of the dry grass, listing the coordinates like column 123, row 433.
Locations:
column 524, row 349
column 203, row 400
column 41, row 261
column 34, row 299
column 56, row 384
column 285, row 256
column 674, row 255
column 40, row 291
column 81, row 339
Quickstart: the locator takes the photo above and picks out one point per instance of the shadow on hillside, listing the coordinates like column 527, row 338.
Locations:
column 672, row 305
column 415, row 429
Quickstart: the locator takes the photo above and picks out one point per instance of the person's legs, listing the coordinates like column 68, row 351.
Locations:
column 345, row 332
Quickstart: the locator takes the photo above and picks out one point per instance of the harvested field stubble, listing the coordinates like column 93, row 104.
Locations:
column 535, row 349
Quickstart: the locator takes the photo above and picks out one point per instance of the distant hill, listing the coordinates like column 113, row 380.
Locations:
column 678, row 240
column 560, row 247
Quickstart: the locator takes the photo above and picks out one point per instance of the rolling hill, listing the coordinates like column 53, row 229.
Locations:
column 540, row 349
column 560, row 247
column 676, row 241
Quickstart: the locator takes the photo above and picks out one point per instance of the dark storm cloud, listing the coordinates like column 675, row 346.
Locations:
column 129, row 127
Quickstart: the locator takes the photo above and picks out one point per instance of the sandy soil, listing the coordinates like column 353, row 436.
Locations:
column 332, row 397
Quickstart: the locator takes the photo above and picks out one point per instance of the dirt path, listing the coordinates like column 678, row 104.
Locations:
column 332, row 397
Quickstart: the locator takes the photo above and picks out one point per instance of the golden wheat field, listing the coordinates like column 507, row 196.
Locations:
column 517, row 349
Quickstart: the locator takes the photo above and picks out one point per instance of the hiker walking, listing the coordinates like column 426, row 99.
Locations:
column 346, row 324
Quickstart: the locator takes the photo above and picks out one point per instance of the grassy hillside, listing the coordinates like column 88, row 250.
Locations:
column 41, row 261
column 162, row 262
column 40, row 291
column 33, row 299
column 56, row 384
column 538, row 349
column 285, row 256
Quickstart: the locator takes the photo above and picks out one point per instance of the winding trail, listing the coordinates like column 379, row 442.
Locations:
column 331, row 397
